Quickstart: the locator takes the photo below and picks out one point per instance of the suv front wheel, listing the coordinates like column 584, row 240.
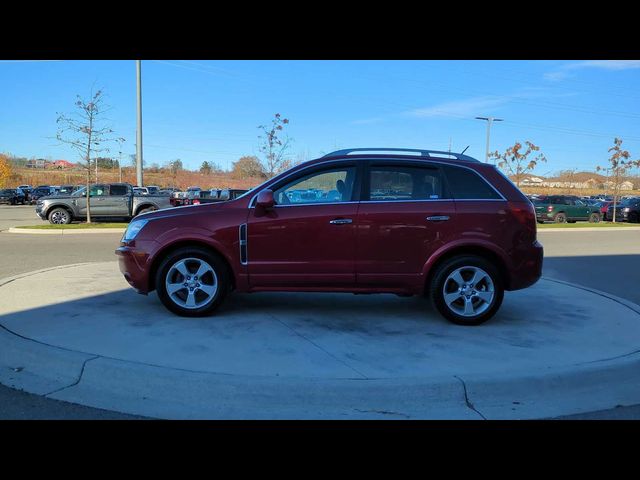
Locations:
column 59, row 216
column 192, row 282
column 467, row 290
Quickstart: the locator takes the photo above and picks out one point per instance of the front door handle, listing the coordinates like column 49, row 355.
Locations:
column 438, row 218
column 341, row 221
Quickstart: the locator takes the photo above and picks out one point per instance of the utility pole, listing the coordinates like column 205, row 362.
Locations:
column 139, row 124
column 489, row 120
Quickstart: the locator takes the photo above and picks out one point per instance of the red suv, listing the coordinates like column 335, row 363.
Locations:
column 409, row 222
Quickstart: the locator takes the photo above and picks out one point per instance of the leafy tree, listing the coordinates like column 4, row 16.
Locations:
column 5, row 170
column 205, row 168
column 619, row 166
column 273, row 146
column 516, row 163
column 84, row 131
column 248, row 167
column 176, row 165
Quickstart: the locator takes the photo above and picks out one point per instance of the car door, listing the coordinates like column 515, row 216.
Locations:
column 582, row 209
column 117, row 203
column 98, row 194
column 306, row 240
column 405, row 215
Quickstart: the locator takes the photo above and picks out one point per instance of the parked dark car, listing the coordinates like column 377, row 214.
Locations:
column 626, row 211
column 12, row 196
column 456, row 229
column 40, row 192
column 565, row 208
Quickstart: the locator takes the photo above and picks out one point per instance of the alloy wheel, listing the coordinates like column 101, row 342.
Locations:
column 191, row 283
column 468, row 291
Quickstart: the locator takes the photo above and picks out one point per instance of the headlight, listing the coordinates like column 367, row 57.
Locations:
column 133, row 229
column 626, row 209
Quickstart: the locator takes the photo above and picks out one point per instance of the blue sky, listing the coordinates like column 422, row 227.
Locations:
column 200, row 110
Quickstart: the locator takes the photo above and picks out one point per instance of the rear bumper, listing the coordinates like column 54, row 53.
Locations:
column 529, row 269
column 133, row 265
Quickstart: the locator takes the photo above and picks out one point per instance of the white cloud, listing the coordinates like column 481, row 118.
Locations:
column 461, row 108
column 562, row 72
column 607, row 64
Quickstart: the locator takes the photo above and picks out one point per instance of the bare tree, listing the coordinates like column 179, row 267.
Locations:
column 516, row 163
column 273, row 146
column 619, row 166
column 83, row 130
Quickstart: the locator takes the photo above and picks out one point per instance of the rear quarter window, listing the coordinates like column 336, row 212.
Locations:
column 465, row 184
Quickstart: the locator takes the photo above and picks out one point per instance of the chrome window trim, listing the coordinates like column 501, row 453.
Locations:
column 392, row 159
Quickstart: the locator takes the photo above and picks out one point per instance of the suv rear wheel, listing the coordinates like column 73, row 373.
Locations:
column 467, row 290
column 594, row 218
column 192, row 282
column 560, row 218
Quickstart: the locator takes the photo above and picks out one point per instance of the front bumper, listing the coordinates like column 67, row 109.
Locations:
column 133, row 264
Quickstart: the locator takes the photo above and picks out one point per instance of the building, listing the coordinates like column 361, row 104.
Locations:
column 60, row 164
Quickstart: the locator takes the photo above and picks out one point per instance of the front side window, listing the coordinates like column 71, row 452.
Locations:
column 326, row 186
column 406, row 183
column 99, row 190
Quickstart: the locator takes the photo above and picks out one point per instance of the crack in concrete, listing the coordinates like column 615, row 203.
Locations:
column 319, row 347
column 466, row 398
column 84, row 364
column 383, row 412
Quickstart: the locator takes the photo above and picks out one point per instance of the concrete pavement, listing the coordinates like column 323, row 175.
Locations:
column 97, row 343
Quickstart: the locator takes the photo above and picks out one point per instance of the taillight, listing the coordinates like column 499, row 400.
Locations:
column 195, row 202
column 525, row 214
column 550, row 208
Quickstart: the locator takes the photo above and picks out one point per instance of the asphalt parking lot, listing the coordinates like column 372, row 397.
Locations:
column 606, row 260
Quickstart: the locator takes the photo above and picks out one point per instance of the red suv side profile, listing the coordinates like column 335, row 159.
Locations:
column 403, row 221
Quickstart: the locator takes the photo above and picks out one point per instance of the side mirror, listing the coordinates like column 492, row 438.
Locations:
column 265, row 199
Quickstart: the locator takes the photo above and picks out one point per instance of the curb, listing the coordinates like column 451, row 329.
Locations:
column 64, row 231
column 590, row 229
column 166, row 392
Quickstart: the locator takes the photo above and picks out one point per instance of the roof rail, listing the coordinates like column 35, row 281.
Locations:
column 424, row 153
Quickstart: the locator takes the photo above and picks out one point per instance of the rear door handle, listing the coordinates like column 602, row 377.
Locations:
column 438, row 218
column 341, row 221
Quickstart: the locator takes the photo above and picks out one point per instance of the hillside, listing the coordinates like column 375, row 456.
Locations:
column 181, row 179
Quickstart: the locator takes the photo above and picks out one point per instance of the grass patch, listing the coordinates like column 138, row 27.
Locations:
column 586, row 225
column 74, row 226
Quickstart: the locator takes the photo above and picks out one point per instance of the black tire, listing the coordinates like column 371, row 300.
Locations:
column 560, row 218
column 437, row 289
column 594, row 218
column 221, row 273
column 59, row 216
column 146, row 210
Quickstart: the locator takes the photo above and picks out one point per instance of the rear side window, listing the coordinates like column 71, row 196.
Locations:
column 118, row 190
column 468, row 185
column 404, row 183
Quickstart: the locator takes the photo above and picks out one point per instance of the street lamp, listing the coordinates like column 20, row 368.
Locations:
column 489, row 120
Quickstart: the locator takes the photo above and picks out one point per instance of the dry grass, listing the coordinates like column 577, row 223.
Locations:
column 182, row 179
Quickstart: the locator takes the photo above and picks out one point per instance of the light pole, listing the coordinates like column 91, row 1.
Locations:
column 489, row 120
column 139, row 124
